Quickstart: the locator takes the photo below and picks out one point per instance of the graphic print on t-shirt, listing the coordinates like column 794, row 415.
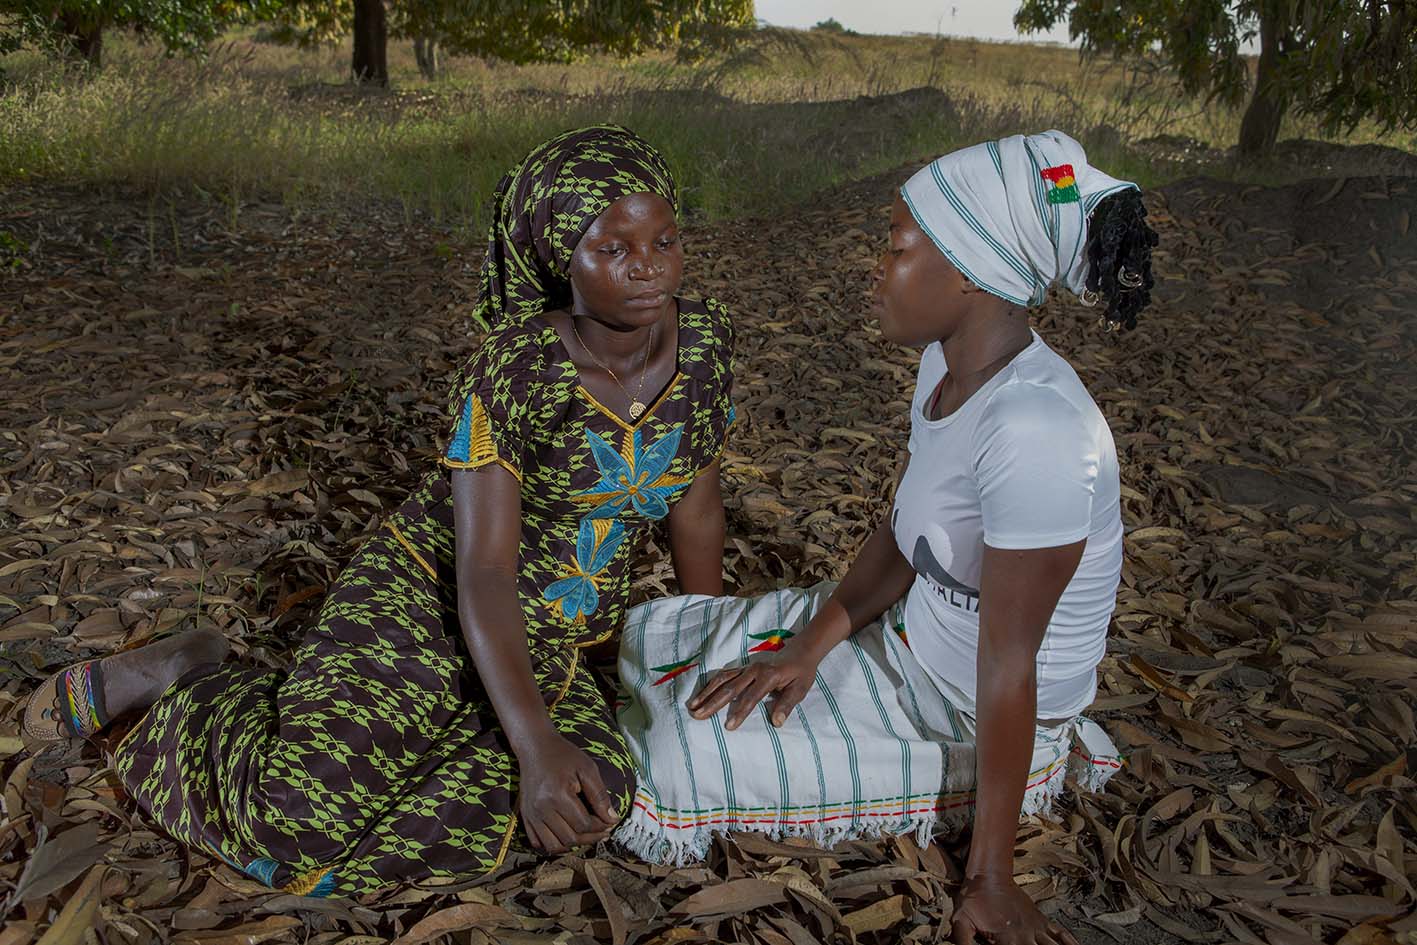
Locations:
column 925, row 559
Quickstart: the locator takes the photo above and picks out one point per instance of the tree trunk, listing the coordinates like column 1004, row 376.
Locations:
column 371, row 43
column 84, row 37
column 425, row 50
column 1260, row 128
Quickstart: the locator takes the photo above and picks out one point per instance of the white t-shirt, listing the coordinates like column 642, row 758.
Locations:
column 1027, row 462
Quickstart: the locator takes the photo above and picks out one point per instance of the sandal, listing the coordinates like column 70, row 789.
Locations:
column 67, row 704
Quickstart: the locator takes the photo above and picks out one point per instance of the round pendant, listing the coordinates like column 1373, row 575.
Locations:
column 636, row 408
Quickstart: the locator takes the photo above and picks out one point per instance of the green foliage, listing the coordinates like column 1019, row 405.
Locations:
column 181, row 25
column 832, row 25
column 12, row 251
column 560, row 30
column 523, row 31
column 1341, row 61
column 310, row 23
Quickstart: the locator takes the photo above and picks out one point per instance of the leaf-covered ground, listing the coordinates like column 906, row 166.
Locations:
column 203, row 413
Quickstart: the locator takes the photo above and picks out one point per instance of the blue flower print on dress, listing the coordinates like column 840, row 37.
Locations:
column 596, row 545
column 635, row 475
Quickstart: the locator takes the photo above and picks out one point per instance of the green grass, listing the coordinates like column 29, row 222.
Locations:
column 749, row 133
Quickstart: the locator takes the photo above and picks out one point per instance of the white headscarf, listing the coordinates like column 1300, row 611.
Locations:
column 1011, row 215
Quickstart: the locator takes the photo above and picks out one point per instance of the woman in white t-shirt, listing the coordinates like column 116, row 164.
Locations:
column 1006, row 532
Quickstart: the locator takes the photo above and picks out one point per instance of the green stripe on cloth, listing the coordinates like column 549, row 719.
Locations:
column 1009, row 259
column 644, row 767
column 860, row 655
column 785, row 791
column 816, row 759
column 1094, row 199
column 896, row 758
column 1047, row 214
column 848, row 741
column 993, row 149
column 728, row 779
column 1046, row 208
column 678, row 704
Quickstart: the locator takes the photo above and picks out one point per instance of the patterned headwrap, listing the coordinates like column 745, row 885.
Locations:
column 545, row 204
column 1012, row 214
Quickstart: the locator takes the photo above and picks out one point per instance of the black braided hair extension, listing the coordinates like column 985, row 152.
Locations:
column 1119, row 243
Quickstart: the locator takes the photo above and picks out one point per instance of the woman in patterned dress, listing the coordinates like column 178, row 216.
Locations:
column 442, row 694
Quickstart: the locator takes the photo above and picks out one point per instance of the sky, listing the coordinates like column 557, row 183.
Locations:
column 984, row 19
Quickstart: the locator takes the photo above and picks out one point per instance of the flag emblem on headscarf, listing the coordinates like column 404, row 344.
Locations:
column 1065, row 185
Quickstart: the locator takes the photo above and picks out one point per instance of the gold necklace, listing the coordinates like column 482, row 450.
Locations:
column 637, row 406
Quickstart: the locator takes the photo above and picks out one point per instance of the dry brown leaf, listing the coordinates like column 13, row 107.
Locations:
column 211, row 454
column 1358, row 908
column 598, row 874
column 1367, row 935
column 59, row 860
column 1152, row 678
column 248, row 933
column 279, row 483
column 878, row 916
column 458, row 919
column 677, row 936
column 731, row 898
column 79, row 915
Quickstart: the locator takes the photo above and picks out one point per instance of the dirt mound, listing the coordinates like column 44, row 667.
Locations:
column 1327, row 159
column 1325, row 244
column 1296, row 157
column 862, row 124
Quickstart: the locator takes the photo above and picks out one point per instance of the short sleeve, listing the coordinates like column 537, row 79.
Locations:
column 726, row 341
column 1036, row 462
column 499, row 403
column 706, row 358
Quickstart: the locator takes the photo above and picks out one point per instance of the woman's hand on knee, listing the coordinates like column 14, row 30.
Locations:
column 786, row 676
column 564, row 802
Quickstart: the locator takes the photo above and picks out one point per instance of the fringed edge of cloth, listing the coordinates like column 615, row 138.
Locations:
column 1091, row 761
column 651, row 843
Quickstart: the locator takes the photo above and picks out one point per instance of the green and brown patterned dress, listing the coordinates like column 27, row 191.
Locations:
column 378, row 758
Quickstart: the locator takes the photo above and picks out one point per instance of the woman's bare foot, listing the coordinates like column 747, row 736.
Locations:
column 125, row 682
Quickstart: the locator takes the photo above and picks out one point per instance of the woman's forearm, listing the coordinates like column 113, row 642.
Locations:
column 495, row 633
column 1007, row 703
column 487, row 526
column 878, row 578
column 696, row 548
column 697, row 529
column 1018, row 591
